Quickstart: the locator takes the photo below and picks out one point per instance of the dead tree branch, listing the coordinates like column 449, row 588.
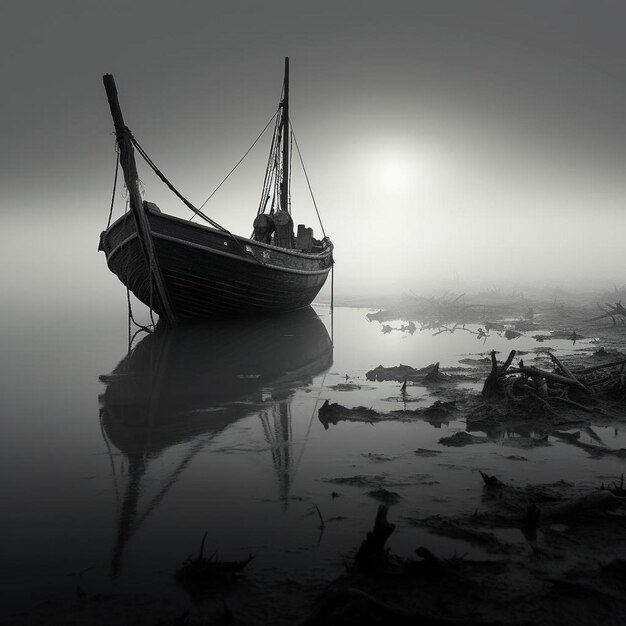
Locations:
column 492, row 384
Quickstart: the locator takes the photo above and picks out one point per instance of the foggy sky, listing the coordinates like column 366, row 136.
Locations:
column 471, row 140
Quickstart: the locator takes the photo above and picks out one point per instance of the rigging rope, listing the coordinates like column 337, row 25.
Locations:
column 184, row 200
column 168, row 184
column 269, row 169
column 290, row 170
column 295, row 140
column 332, row 303
column 117, row 167
column 238, row 162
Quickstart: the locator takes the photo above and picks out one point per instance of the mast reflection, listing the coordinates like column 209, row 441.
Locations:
column 186, row 384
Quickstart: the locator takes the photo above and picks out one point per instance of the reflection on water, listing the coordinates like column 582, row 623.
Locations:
column 188, row 383
column 215, row 429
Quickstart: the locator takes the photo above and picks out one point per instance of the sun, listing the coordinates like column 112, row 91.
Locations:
column 395, row 172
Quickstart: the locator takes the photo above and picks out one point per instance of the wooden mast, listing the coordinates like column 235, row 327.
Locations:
column 284, row 199
column 129, row 167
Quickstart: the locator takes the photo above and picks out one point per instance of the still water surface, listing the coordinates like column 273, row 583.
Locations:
column 114, row 464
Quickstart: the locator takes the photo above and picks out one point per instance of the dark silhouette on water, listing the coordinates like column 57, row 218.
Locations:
column 187, row 383
column 184, row 270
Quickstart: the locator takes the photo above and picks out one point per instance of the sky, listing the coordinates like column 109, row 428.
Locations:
column 448, row 143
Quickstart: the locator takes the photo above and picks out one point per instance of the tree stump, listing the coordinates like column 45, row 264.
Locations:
column 372, row 554
column 492, row 386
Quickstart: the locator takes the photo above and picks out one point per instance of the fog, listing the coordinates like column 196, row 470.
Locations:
column 453, row 147
column 449, row 145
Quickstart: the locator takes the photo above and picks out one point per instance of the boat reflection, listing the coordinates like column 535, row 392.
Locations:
column 186, row 384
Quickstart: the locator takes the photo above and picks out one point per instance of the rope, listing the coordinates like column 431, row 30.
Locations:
column 117, row 167
column 168, row 184
column 132, row 339
column 238, row 162
column 184, row 200
column 290, row 169
column 332, row 303
column 269, row 169
column 152, row 279
column 146, row 329
column 295, row 140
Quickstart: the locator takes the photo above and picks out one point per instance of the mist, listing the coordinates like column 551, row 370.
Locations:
column 467, row 160
column 446, row 144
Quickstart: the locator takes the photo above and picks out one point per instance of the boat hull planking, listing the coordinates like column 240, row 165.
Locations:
column 207, row 274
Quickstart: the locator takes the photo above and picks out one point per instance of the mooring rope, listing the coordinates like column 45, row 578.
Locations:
column 132, row 339
column 152, row 279
column 131, row 317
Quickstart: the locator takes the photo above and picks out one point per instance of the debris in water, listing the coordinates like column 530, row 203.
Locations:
column 201, row 572
column 384, row 495
column 463, row 439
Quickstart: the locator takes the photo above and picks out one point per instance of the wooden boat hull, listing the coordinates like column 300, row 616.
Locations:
column 207, row 274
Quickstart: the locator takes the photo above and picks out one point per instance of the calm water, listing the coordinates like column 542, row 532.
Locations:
column 114, row 465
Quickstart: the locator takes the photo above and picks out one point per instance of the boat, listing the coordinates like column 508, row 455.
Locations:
column 184, row 270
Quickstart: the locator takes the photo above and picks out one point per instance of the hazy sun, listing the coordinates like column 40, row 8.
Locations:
column 395, row 171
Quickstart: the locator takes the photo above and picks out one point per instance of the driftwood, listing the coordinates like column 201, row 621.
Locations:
column 576, row 405
column 618, row 490
column 403, row 373
column 334, row 413
column 541, row 400
column 595, row 500
column 200, row 570
column 491, row 481
column 567, row 372
column 535, row 372
column 567, row 436
column 564, row 378
column 435, row 564
column 463, row 438
column 603, row 499
column 592, row 433
column 595, row 368
column 614, row 310
column 372, row 554
column 492, row 384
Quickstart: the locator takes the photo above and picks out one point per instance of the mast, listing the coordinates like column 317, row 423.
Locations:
column 129, row 167
column 284, row 190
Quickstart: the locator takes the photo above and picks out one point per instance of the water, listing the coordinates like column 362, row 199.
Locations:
column 113, row 466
